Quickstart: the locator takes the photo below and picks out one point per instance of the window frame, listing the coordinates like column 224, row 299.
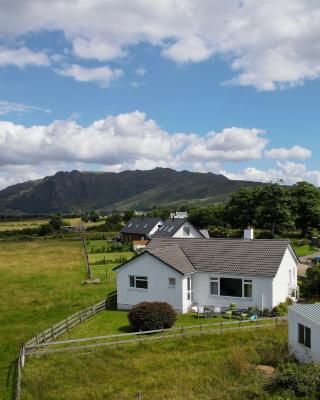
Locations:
column 171, row 285
column 184, row 231
column 133, row 279
column 304, row 335
column 244, row 282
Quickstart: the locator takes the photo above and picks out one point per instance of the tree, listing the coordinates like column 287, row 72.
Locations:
column 274, row 207
column 310, row 285
column 56, row 221
column 241, row 209
column 94, row 216
column 306, row 206
column 127, row 215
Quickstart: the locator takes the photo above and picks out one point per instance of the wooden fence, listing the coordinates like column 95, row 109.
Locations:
column 88, row 267
column 65, row 325
column 135, row 337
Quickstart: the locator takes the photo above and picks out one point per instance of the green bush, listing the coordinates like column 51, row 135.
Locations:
column 147, row 316
column 302, row 379
column 282, row 309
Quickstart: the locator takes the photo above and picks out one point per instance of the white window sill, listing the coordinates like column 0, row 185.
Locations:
column 231, row 298
column 171, row 286
column 137, row 289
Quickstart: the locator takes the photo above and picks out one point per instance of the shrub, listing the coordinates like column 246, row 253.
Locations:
column 302, row 379
column 148, row 316
column 282, row 309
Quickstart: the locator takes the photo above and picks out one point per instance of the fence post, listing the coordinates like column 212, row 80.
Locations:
column 23, row 356
column 80, row 316
column 52, row 332
column 68, row 327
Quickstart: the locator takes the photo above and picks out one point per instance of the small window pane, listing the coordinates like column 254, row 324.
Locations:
column 307, row 337
column 141, row 282
column 131, row 279
column 300, row 333
column 172, row 281
column 248, row 289
column 186, row 231
column 214, row 287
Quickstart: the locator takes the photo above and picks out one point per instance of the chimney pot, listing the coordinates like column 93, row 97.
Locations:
column 248, row 233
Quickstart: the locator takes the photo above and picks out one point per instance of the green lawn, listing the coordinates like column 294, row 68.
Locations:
column 201, row 367
column 304, row 250
column 41, row 283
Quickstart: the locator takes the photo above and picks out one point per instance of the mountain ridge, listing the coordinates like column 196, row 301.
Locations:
column 75, row 191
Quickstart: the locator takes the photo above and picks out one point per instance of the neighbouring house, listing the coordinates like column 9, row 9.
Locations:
column 304, row 332
column 209, row 272
column 140, row 228
column 177, row 228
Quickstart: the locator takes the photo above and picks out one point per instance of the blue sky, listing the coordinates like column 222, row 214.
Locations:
column 224, row 87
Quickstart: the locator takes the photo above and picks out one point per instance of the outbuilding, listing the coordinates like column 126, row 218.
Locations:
column 304, row 332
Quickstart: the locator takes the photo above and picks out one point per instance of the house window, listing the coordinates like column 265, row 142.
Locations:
column 304, row 335
column 172, row 282
column 214, row 286
column 186, row 231
column 247, row 288
column 139, row 282
column 231, row 287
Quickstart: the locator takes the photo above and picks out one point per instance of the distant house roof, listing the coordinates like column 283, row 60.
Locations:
column 140, row 225
column 223, row 256
column 309, row 311
column 169, row 227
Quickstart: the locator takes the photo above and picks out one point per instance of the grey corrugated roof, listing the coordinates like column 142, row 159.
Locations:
column 309, row 311
column 141, row 225
column 260, row 257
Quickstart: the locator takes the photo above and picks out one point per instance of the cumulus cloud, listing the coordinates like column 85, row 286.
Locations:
column 141, row 71
column 22, row 57
column 288, row 172
column 268, row 45
column 7, row 107
column 297, row 152
column 102, row 76
column 232, row 144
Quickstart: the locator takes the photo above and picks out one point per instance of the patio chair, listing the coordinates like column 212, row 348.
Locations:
column 201, row 312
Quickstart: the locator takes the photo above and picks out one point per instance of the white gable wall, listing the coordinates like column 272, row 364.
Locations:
column 158, row 274
column 155, row 228
column 261, row 291
column 194, row 233
column 301, row 352
column 285, row 279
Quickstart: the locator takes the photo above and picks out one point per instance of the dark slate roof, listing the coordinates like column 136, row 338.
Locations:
column 309, row 311
column 140, row 225
column 170, row 227
column 258, row 257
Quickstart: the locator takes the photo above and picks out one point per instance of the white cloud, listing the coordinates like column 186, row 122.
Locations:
column 297, row 152
column 141, row 71
column 132, row 141
column 102, row 76
column 268, row 45
column 7, row 107
column 288, row 172
column 22, row 57
column 233, row 144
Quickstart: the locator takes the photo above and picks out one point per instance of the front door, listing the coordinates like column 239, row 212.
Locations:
column 190, row 289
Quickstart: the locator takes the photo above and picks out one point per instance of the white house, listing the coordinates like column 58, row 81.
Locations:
column 304, row 332
column 177, row 228
column 212, row 272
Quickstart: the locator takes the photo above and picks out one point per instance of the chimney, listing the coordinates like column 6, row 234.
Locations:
column 248, row 233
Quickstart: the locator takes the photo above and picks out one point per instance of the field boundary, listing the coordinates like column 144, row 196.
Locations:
column 135, row 337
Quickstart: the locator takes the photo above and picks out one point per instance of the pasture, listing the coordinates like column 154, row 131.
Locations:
column 200, row 367
column 41, row 283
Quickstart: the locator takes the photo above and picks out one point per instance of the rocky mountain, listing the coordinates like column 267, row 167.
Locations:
column 75, row 191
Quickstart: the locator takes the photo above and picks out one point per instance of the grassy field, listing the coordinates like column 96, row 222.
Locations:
column 201, row 367
column 36, row 223
column 304, row 250
column 41, row 283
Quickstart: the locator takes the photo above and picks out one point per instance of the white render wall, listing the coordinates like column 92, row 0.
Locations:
column 281, row 282
column 194, row 233
column 261, row 291
column 299, row 351
column 158, row 274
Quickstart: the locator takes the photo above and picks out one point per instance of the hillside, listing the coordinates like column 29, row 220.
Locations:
column 76, row 191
